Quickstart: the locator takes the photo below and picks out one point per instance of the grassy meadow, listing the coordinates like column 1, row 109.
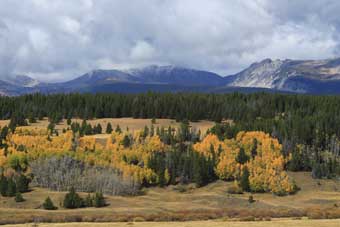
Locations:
column 125, row 123
column 274, row 223
column 177, row 203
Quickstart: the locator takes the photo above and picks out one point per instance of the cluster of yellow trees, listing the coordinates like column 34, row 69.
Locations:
column 265, row 161
column 130, row 153
column 131, row 160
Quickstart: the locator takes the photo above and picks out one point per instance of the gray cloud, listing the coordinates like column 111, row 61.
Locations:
column 58, row 40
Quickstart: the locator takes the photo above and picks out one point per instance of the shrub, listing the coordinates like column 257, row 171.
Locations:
column 249, row 218
column 235, row 189
column 138, row 219
column 18, row 198
column 153, row 121
column 180, row 188
column 48, row 204
column 251, row 199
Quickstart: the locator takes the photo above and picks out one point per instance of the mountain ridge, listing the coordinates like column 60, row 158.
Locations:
column 301, row 76
column 293, row 76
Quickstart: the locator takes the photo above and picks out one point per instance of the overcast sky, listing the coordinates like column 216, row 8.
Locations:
column 61, row 39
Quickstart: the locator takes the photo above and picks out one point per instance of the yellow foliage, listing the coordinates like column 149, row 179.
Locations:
column 3, row 158
column 266, row 168
column 207, row 143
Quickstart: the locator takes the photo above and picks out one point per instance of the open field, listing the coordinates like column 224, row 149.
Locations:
column 124, row 123
column 209, row 202
column 274, row 223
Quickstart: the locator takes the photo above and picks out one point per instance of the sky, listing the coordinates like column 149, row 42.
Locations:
column 62, row 39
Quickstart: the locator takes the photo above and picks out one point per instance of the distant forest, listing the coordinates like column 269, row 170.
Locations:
column 307, row 126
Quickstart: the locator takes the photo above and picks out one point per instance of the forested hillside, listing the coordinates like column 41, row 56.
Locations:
column 306, row 126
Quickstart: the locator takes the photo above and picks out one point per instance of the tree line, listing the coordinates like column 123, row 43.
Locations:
column 307, row 126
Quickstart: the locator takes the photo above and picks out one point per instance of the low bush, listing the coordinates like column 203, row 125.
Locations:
column 235, row 189
column 251, row 199
column 139, row 219
column 249, row 218
column 18, row 198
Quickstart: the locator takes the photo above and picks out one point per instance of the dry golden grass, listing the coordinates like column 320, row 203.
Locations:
column 124, row 123
column 275, row 223
column 315, row 200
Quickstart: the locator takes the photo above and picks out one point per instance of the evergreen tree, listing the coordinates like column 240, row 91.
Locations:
column 153, row 120
column 152, row 130
column 72, row 200
column 242, row 157
column 51, row 127
column 244, row 181
column 88, row 201
column 48, row 204
column 145, row 131
column 99, row 200
column 32, row 119
column 109, row 128
column 99, row 129
column 88, row 129
column 22, row 183
column 197, row 170
column 11, row 188
column 4, row 133
column 118, row 129
column 254, row 149
column 295, row 163
column 126, row 141
column 3, row 185
column 69, row 121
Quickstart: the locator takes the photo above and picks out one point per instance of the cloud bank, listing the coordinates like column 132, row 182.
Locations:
column 61, row 39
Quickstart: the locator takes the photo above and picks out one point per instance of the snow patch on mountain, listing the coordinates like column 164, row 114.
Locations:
column 22, row 81
column 264, row 74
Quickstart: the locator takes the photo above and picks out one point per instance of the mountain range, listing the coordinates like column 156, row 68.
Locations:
column 292, row 76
